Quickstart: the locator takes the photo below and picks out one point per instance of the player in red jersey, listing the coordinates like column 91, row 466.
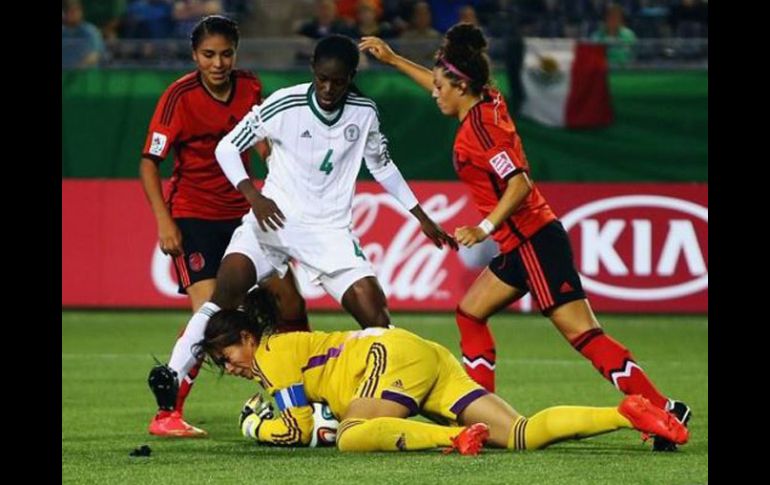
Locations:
column 535, row 253
column 202, row 209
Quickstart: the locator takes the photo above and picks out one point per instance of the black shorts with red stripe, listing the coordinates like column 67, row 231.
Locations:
column 543, row 265
column 204, row 242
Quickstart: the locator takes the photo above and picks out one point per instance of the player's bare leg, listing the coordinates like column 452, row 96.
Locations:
column 366, row 302
column 200, row 292
column 292, row 312
column 236, row 276
column 487, row 295
column 492, row 410
column 370, row 408
column 574, row 318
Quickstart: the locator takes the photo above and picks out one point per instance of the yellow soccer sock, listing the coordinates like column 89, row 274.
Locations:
column 392, row 434
column 561, row 423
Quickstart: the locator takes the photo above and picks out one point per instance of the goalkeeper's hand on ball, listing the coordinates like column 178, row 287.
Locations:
column 254, row 411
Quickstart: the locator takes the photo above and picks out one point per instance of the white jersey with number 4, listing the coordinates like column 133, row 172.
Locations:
column 315, row 156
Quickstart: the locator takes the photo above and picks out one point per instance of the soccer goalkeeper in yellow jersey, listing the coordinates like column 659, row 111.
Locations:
column 374, row 379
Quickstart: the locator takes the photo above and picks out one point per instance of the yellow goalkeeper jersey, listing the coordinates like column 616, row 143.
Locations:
column 392, row 364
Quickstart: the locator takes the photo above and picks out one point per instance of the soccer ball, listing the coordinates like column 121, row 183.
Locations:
column 324, row 426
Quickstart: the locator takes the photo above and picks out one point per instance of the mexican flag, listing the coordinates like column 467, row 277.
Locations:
column 566, row 83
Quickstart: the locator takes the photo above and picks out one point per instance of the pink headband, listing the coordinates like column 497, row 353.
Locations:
column 453, row 69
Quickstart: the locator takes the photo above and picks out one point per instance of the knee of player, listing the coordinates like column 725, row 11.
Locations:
column 234, row 278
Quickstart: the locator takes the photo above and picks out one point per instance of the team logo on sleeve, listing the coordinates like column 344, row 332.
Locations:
column 502, row 164
column 158, row 143
column 352, row 132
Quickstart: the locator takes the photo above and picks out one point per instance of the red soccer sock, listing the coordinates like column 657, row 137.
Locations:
column 185, row 386
column 478, row 348
column 617, row 365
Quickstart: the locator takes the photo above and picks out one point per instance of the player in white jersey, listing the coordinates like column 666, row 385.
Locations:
column 319, row 133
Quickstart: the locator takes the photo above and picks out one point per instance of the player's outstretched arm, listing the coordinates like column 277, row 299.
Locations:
column 387, row 174
column 385, row 54
column 433, row 230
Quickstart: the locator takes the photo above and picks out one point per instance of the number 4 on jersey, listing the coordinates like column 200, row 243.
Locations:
column 326, row 165
column 357, row 250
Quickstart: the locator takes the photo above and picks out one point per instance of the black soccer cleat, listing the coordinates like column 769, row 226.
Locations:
column 682, row 413
column 164, row 385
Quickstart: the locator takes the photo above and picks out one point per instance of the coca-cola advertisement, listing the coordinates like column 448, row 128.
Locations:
column 638, row 247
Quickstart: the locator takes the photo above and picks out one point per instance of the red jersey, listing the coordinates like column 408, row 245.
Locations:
column 192, row 121
column 487, row 153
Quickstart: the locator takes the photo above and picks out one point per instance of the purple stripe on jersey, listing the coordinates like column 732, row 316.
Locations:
column 464, row 401
column 402, row 399
column 318, row 360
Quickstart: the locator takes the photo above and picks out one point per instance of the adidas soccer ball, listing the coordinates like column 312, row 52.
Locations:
column 324, row 426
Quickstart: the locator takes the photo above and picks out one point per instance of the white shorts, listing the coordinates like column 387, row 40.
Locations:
column 243, row 241
column 332, row 258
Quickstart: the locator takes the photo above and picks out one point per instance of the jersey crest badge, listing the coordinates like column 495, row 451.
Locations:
column 197, row 262
column 352, row 132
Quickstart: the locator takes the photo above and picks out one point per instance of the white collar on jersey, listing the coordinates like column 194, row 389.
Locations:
column 329, row 115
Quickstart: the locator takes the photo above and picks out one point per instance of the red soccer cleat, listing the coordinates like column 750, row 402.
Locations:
column 652, row 420
column 470, row 440
column 172, row 425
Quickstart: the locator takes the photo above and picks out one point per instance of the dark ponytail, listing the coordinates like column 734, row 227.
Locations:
column 225, row 326
column 463, row 57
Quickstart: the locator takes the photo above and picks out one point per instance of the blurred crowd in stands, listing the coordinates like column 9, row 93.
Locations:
column 90, row 27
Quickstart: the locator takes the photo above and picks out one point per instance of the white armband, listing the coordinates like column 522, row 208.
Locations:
column 486, row 226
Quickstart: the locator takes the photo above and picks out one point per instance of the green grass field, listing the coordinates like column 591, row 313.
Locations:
column 106, row 407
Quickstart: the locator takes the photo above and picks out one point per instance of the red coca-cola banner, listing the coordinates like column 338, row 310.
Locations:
column 638, row 247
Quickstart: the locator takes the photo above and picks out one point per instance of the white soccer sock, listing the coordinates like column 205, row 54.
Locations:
column 182, row 358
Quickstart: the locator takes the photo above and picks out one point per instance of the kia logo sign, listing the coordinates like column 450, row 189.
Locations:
column 658, row 262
